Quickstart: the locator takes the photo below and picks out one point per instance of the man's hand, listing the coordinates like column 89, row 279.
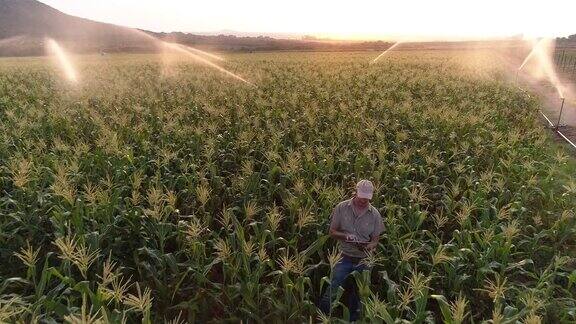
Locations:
column 351, row 238
column 372, row 245
column 341, row 236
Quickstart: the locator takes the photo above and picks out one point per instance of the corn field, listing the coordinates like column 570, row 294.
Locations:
column 565, row 62
column 153, row 192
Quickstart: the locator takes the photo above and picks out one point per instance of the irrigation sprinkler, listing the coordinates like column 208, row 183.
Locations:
column 560, row 115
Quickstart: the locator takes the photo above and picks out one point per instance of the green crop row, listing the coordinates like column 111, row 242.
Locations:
column 152, row 192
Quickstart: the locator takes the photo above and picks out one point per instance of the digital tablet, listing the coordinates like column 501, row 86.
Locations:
column 358, row 242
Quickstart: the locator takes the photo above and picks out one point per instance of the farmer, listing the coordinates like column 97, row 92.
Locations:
column 357, row 225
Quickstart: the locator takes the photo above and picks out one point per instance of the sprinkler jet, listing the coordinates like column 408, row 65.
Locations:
column 540, row 53
column 190, row 52
column 386, row 51
column 64, row 61
column 195, row 54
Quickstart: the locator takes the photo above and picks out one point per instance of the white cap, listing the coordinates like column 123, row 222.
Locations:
column 364, row 189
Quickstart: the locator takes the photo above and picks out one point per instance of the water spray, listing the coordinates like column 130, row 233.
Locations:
column 541, row 53
column 528, row 57
column 386, row 51
column 189, row 52
column 534, row 48
column 193, row 53
column 63, row 60
column 210, row 55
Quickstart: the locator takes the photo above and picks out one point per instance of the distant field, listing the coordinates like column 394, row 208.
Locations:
column 161, row 189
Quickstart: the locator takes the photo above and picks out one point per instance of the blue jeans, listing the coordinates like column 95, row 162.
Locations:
column 342, row 269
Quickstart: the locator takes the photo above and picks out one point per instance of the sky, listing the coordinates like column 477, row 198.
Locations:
column 358, row 19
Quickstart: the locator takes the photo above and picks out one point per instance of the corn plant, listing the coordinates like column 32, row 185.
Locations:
column 158, row 190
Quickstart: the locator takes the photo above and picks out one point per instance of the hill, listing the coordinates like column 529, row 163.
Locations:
column 24, row 25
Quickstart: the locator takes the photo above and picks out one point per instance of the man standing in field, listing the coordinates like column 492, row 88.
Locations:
column 357, row 225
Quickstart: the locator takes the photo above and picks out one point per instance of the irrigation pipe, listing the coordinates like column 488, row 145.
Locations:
column 557, row 130
column 552, row 126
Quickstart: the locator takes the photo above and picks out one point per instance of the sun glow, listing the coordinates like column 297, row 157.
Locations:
column 364, row 19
